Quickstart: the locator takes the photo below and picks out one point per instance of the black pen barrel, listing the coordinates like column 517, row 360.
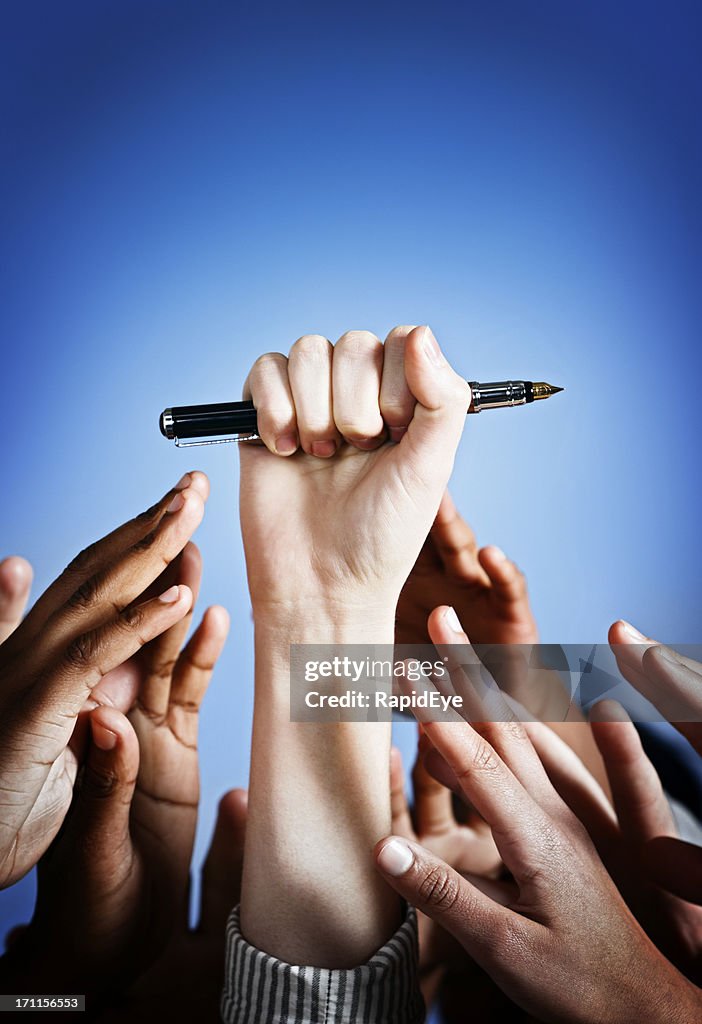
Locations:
column 183, row 421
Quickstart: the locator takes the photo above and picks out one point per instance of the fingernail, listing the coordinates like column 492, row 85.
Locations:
column 451, row 620
column 633, row 633
column 177, row 502
column 323, row 449
column 498, row 554
column 395, row 858
column 286, row 444
column 431, row 347
column 171, row 595
column 103, row 738
column 184, row 482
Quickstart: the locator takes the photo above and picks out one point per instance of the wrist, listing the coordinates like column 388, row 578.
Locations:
column 323, row 621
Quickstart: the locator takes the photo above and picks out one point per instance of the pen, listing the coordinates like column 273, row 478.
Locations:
column 239, row 418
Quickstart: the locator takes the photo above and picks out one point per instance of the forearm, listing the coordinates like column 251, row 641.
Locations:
column 318, row 802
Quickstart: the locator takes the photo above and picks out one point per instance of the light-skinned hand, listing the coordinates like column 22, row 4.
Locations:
column 341, row 519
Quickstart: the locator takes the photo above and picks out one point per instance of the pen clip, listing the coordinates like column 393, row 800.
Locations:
column 237, row 439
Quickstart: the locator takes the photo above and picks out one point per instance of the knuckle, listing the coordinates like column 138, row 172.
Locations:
column 439, row 889
column 82, row 560
column 145, row 542
column 358, row 343
column 86, row 595
column 82, row 651
column 484, row 758
column 269, row 362
column 133, row 618
column 399, row 333
column 99, row 782
column 310, row 346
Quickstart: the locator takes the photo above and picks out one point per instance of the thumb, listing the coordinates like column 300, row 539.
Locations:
column 433, row 887
column 442, row 398
column 107, row 788
column 221, row 872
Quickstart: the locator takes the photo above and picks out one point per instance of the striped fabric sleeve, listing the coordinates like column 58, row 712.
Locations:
column 259, row 989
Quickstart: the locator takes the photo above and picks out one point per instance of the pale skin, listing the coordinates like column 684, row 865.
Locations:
column 559, row 941
column 359, row 441
column 77, row 648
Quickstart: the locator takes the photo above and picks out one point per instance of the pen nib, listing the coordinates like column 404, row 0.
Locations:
column 544, row 390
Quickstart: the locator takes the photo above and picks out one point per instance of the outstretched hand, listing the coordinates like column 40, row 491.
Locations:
column 63, row 658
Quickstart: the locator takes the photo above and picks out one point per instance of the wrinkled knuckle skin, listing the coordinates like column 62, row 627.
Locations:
column 310, row 346
column 268, row 362
column 82, row 561
column 133, row 618
column 438, row 889
column 86, row 595
column 99, row 783
column 145, row 542
column 358, row 343
column 82, row 651
column 484, row 758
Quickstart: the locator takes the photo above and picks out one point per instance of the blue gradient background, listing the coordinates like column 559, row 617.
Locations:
column 186, row 185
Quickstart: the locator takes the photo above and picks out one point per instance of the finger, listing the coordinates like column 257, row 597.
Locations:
column 630, row 646
column 15, row 582
column 221, row 872
column 48, row 714
column 396, row 400
column 675, row 865
column 479, row 923
column 356, row 374
column 92, row 655
column 103, row 553
column 482, row 699
column 433, row 810
column 106, row 791
column 427, row 450
column 579, row 790
column 268, row 387
column 310, row 374
column 116, row 587
column 670, row 681
column 520, row 826
column 642, row 808
column 399, row 811
column 455, row 542
column 161, row 655
column 508, row 583
column 193, row 672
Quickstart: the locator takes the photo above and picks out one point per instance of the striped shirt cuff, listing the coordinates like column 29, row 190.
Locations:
column 259, row 989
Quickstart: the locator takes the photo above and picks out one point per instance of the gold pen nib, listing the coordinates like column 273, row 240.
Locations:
column 543, row 390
